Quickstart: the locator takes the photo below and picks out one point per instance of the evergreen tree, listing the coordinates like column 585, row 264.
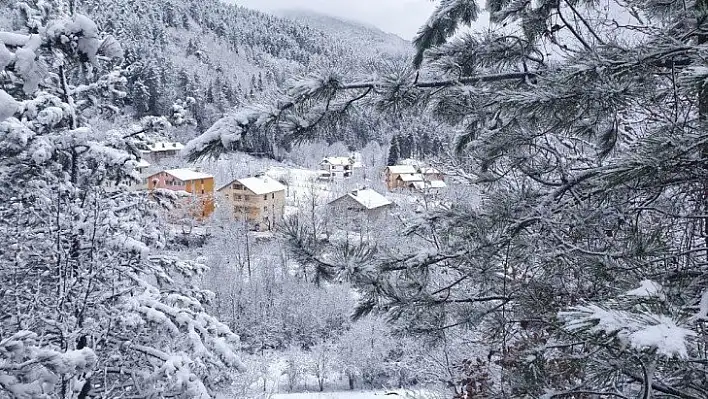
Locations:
column 581, row 270
column 89, row 307
column 393, row 152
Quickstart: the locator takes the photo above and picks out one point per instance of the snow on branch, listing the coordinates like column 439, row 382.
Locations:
column 442, row 24
column 29, row 369
column 225, row 133
column 645, row 331
column 310, row 101
column 78, row 34
column 647, row 289
column 702, row 314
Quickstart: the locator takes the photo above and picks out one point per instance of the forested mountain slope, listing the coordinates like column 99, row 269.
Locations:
column 369, row 39
column 221, row 54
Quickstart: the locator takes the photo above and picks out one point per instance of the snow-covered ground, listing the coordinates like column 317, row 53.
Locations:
column 303, row 184
column 354, row 395
column 333, row 395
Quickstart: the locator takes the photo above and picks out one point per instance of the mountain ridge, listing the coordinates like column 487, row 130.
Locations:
column 349, row 29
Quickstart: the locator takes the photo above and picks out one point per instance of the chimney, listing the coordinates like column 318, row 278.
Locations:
column 355, row 192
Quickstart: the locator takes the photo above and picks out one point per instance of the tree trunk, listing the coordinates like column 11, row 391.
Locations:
column 350, row 377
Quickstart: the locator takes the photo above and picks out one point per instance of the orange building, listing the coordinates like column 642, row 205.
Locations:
column 200, row 185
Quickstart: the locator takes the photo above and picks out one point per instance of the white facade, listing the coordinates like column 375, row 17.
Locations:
column 337, row 167
column 162, row 151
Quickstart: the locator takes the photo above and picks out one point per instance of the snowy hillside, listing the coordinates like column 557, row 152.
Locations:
column 220, row 54
column 357, row 35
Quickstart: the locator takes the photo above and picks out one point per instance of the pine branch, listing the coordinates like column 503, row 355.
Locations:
column 448, row 16
column 467, row 80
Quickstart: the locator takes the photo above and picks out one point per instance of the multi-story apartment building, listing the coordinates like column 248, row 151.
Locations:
column 258, row 200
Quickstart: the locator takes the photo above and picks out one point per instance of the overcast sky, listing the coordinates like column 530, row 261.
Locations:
column 402, row 17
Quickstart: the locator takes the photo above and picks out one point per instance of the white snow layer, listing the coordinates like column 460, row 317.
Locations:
column 647, row 288
column 369, row 198
column 8, row 105
column 640, row 331
column 262, row 185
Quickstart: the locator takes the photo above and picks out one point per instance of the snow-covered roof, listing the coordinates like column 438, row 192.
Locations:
column 187, row 174
column 165, row 146
column 429, row 171
column 420, row 185
column 143, row 164
column 410, row 177
column 259, row 185
column 369, row 198
column 437, row 184
column 400, row 169
column 338, row 161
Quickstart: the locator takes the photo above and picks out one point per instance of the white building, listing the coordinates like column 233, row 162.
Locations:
column 338, row 167
column 160, row 151
column 260, row 200
column 365, row 201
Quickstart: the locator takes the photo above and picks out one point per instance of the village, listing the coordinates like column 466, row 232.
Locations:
column 262, row 200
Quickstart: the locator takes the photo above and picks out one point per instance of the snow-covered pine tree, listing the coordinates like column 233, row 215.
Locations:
column 89, row 306
column 583, row 126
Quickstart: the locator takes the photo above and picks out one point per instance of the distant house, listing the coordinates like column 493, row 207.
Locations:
column 259, row 200
column 338, row 167
column 413, row 177
column 419, row 181
column 429, row 185
column 365, row 201
column 142, row 168
column 392, row 174
column 200, row 185
column 132, row 185
column 408, row 180
column 161, row 151
column 431, row 174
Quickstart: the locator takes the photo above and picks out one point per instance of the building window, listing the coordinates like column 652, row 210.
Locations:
column 272, row 196
column 265, row 209
column 238, row 187
column 202, row 191
column 265, row 197
column 238, row 197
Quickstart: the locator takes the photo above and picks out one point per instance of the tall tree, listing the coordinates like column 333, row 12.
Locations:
column 393, row 152
column 89, row 305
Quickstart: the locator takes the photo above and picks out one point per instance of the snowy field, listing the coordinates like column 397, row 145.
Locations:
column 333, row 395
column 352, row 395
